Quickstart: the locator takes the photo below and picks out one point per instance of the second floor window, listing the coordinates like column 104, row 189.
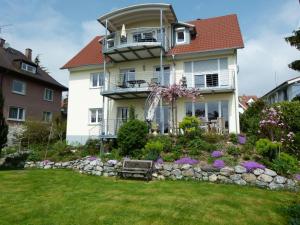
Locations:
column 48, row 94
column 19, row 87
column 180, row 35
column 212, row 80
column 97, row 80
column 96, row 115
column 47, row 116
column 16, row 113
column 28, row 68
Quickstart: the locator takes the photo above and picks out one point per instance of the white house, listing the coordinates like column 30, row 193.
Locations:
column 146, row 44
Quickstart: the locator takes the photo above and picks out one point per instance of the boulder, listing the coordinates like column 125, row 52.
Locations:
column 166, row 173
column 261, row 183
column 209, row 168
column 235, row 177
column 270, row 172
column 47, row 166
column 176, row 172
column 188, row 173
column 154, row 175
column 265, row 178
column 240, row 182
column 213, row 178
column 197, row 169
column 186, row 166
column 240, row 169
column 275, row 186
column 227, row 171
column 167, row 167
column 249, row 177
column 258, row 171
column 279, row 180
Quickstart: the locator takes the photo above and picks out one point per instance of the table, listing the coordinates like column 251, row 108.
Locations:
column 134, row 82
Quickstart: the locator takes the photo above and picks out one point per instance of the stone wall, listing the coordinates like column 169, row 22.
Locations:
column 14, row 160
column 239, row 175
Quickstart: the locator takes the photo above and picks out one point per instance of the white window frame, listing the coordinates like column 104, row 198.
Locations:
column 18, row 92
column 97, row 115
column 28, row 68
column 99, row 85
column 50, row 116
column 181, row 29
column 45, row 95
column 18, row 114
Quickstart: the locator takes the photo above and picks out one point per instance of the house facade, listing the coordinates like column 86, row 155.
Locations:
column 245, row 101
column 29, row 92
column 146, row 45
column 284, row 92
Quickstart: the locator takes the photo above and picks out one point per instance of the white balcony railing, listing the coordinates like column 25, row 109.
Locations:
column 144, row 36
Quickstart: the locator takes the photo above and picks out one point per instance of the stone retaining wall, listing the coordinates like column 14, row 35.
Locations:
column 239, row 175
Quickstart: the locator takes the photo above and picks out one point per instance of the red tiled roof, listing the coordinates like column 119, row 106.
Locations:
column 91, row 54
column 243, row 100
column 212, row 34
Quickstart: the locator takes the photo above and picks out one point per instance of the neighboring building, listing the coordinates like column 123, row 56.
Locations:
column 29, row 92
column 146, row 44
column 245, row 101
column 284, row 92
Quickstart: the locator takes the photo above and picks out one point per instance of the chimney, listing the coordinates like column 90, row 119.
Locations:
column 28, row 53
column 2, row 42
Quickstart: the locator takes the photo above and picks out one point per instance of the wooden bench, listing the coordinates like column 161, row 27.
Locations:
column 136, row 168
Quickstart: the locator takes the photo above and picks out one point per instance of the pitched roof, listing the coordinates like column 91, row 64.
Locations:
column 9, row 57
column 213, row 34
column 216, row 33
column 91, row 54
column 244, row 100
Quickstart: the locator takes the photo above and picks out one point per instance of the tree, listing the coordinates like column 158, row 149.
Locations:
column 294, row 41
column 3, row 125
column 170, row 95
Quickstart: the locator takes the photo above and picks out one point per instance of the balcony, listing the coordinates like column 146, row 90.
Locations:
column 134, row 44
column 132, row 85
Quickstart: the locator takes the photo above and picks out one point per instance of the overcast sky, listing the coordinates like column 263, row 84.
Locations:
column 58, row 29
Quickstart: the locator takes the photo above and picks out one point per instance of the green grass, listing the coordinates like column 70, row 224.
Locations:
column 65, row 197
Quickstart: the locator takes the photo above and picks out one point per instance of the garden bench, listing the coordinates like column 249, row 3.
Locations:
column 137, row 168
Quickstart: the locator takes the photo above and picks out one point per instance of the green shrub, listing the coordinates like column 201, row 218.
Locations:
column 170, row 157
column 166, row 141
column 190, row 126
column 36, row 132
column 285, row 164
column 197, row 145
column 267, row 148
column 293, row 212
column 114, row 154
column 233, row 138
column 212, row 137
column 132, row 136
column 152, row 149
column 233, row 150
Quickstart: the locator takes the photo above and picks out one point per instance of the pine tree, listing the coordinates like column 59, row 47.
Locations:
column 294, row 40
column 3, row 125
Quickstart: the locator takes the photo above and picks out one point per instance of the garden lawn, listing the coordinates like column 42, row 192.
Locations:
column 58, row 197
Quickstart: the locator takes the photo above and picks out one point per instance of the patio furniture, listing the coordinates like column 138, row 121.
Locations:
column 220, row 125
column 136, row 168
column 136, row 82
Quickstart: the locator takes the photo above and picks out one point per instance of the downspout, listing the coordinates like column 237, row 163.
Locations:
column 237, row 116
column 105, row 78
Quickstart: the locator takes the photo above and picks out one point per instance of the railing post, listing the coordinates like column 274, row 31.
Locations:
column 161, row 49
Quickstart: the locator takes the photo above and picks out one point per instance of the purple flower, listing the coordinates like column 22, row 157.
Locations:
column 216, row 154
column 297, row 177
column 219, row 164
column 242, row 139
column 92, row 158
column 251, row 165
column 186, row 160
column 45, row 162
column 160, row 161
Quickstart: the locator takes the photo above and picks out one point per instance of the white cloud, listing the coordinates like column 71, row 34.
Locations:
column 268, row 53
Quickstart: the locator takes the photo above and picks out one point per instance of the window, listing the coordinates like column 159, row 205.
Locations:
column 122, row 113
column 224, row 112
column 212, row 110
column 48, row 94
column 18, row 87
column 199, row 81
column 188, row 109
column 96, row 115
column 28, row 68
column 180, row 35
column 97, row 80
column 212, row 80
column 47, row 116
column 199, row 110
column 16, row 113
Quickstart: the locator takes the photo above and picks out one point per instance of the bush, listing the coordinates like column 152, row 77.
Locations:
column 170, row 157
column 293, row 212
column 165, row 140
column 91, row 147
column 36, row 132
column 212, row 137
column 197, row 145
column 267, row 148
column 233, row 150
column 132, row 136
column 233, row 138
column 190, row 126
column 285, row 164
column 152, row 150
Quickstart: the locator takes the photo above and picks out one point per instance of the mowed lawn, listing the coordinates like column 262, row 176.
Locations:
column 57, row 197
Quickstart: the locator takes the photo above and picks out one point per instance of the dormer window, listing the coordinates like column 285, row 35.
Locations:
column 180, row 35
column 28, row 68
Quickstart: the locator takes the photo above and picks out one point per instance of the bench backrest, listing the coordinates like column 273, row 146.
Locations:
column 142, row 164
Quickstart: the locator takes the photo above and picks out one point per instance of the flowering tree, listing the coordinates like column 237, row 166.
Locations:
column 171, row 93
column 273, row 127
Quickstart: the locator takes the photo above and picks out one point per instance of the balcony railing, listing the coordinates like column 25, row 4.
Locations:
column 143, row 36
column 110, row 127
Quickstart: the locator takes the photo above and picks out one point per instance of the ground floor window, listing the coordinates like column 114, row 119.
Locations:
column 162, row 119
column 16, row 113
column 208, row 110
column 96, row 115
column 47, row 116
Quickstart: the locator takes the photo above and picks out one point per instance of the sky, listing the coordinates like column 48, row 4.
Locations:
column 57, row 29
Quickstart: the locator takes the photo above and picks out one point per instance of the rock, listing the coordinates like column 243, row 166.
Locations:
column 209, row 168
column 279, row 180
column 186, row 166
column 88, row 167
column 265, row 178
column 99, row 168
column 176, row 172
column 240, row 182
column 261, row 183
column 270, row 172
column 249, row 177
column 167, row 167
column 65, row 164
column 57, row 164
column 179, row 177
column 198, row 175
column 161, row 177
column 235, row 177
column 105, row 174
column 197, row 169
column 275, row 186
column 158, row 166
column 47, row 167
column 94, row 162
column 188, row 173
column 155, row 175
column 205, row 178
column 166, row 173
column 213, row 178
column 258, row 171
column 290, row 183
column 240, row 169
column 227, row 171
